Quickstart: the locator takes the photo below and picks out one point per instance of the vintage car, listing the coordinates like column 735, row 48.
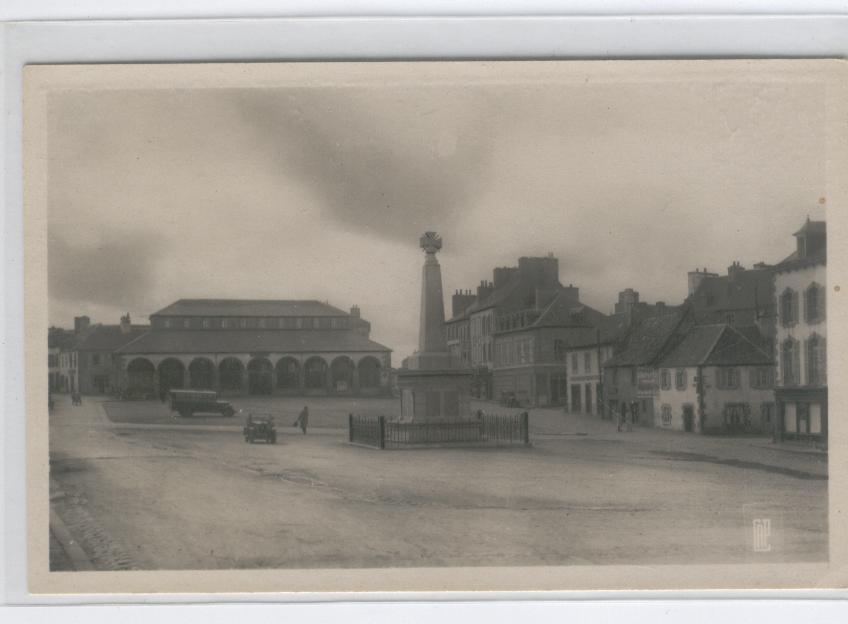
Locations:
column 260, row 427
column 189, row 402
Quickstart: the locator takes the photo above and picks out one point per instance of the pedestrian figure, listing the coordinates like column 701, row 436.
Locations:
column 622, row 415
column 303, row 419
column 634, row 415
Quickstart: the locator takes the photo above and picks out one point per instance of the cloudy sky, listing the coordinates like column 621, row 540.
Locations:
column 320, row 190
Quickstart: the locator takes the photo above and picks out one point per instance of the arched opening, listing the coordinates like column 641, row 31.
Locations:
column 288, row 374
column 259, row 376
column 201, row 374
column 140, row 373
column 315, row 372
column 341, row 374
column 230, row 372
column 369, row 372
column 171, row 375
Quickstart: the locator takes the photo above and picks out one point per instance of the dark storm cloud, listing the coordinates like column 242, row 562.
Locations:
column 117, row 271
column 372, row 175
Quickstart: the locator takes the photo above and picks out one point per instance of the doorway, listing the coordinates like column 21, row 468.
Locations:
column 688, row 418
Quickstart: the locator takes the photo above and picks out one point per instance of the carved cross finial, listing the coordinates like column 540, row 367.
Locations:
column 431, row 242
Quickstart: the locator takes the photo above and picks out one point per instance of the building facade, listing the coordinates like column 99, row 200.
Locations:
column 718, row 379
column 742, row 298
column 631, row 375
column 801, row 342
column 531, row 347
column 88, row 365
column 249, row 347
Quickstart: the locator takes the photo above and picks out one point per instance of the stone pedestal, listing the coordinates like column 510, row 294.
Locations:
column 433, row 388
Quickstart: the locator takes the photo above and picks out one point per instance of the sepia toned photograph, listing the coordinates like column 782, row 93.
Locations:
column 401, row 320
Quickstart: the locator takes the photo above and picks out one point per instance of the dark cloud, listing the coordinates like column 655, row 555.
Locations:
column 118, row 271
column 372, row 175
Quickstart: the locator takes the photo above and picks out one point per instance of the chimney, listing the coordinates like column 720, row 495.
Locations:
column 460, row 302
column 484, row 290
column 81, row 323
column 126, row 325
column 696, row 277
column 354, row 311
column 734, row 270
column 501, row 275
column 540, row 272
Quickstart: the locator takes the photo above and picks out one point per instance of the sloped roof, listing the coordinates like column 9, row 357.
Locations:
column 812, row 227
column 250, row 341
column 647, row 339
column 249, row 307
column 718, row 345
column 565, row 311
column 792, row 262
column 108, row 337
column 749, row 289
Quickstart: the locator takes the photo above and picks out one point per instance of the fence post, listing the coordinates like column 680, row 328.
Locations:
column 525, row 425
column 382, row 422
column 350, row 427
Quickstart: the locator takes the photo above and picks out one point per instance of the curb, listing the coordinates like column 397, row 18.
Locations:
column 75, row 553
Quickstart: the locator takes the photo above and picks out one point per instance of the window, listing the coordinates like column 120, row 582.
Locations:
column 762, row 377
column 587, row 361
column 730, row 318
column 727, row 378
column 95, row 359
column 816, row 361
column 814, row 304
column 680, row 379
column 574, row 366
column 243, row 323
column 665, row 411
column 167, row 323
column 206, row 324
column 665, row 379
column 790, row 362
column 559, row 350
column 186, row 323
column 261, row 323
column 788, row 308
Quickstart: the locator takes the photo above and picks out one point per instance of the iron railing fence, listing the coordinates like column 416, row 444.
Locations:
column 486, row 429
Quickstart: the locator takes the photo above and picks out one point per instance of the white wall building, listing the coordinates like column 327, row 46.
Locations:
column 801, row 342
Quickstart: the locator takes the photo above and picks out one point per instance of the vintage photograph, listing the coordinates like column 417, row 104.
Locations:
column 436, row 315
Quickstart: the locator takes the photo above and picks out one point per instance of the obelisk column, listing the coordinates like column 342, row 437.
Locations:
column 432, row 343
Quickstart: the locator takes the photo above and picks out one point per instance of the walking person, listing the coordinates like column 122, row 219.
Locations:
column 303, row 419
column 634, row 415
column 622, row 415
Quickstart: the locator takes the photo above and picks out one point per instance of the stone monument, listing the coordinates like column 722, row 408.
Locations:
column 433, row 388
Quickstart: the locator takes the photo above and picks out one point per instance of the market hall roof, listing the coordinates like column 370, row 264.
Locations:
column 249, row 341
column 249, row 307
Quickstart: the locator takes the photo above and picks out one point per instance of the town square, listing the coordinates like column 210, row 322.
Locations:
column 430, row 316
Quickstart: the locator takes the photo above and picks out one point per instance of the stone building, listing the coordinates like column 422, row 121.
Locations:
column 585, row 355
column 87, row 366
column 631, row 375
column 254, row 347
column 531, row 346
column 718, row 378
column 528, row 287
column 800, row 283
column 742, row 298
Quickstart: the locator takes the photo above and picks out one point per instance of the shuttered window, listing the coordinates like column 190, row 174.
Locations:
column 816, row 361
column 790, row 362
column 788, row 308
